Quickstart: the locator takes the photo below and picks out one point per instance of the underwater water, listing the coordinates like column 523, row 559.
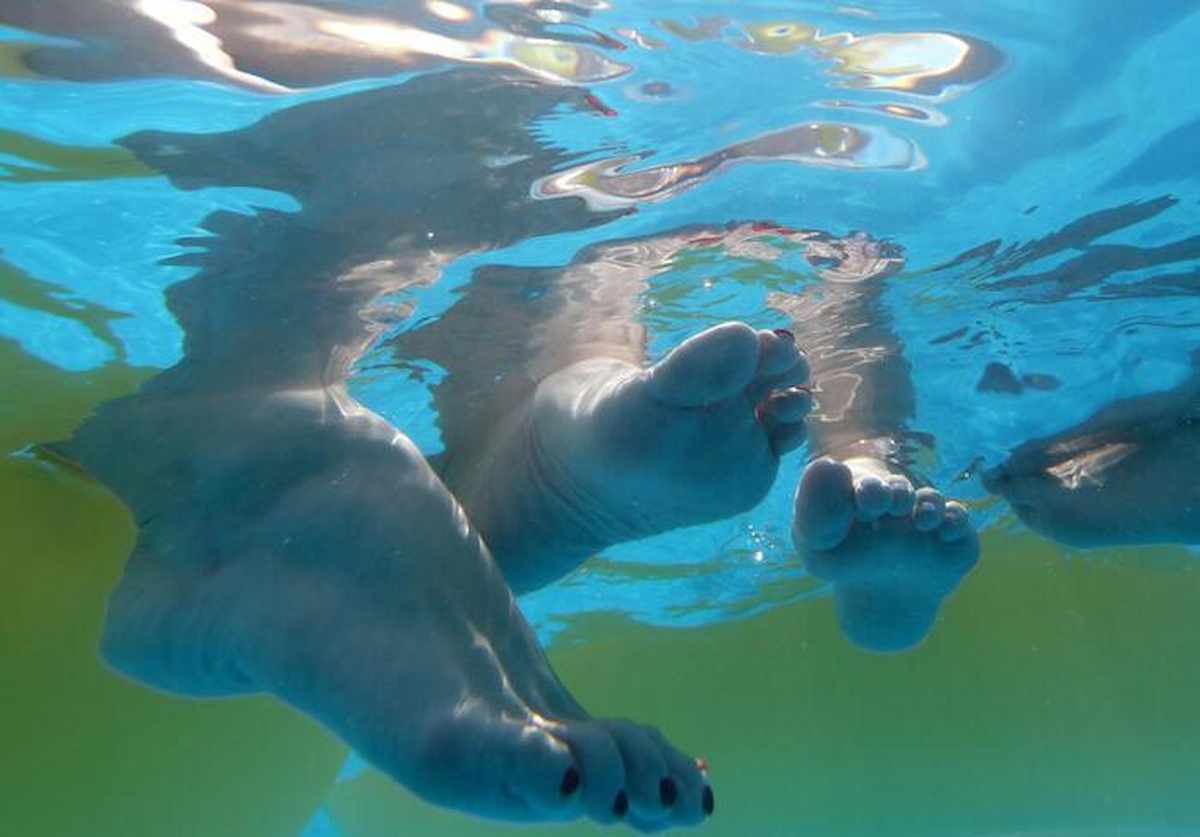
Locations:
column 982, row 221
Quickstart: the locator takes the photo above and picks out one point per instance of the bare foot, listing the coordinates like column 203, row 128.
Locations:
column 892, row 553
column 609, row 452
column 297, row 544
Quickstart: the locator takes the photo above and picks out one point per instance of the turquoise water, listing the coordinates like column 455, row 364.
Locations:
column 193, row 178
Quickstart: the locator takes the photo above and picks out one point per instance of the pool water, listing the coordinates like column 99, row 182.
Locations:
column 184, row 181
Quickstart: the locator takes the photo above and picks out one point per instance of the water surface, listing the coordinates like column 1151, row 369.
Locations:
column 1004, row 196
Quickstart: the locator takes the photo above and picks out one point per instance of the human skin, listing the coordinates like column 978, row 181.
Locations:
column 892, row 547
column 292, row 542
column 1125, row 475
column 908, row 551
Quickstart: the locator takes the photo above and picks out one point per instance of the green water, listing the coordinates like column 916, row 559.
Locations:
column 1058, row 692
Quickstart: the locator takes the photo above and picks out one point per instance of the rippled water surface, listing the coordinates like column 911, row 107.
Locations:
column 996, row 204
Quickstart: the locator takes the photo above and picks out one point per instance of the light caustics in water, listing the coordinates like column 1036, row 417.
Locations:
column 850, row 259
column 1087, row 468
column 186, row 20
column 930, row 64
column 291, row 30
column 607, row 185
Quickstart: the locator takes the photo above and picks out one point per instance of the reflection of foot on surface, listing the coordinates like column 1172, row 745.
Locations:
column 892, row 553
column 299, row 550
column 620, row 452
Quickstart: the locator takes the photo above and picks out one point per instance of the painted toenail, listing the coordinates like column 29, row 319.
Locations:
column 708, row 801
column 570, row 782
column 668, row 792
column 784, row 333
column 621, row 804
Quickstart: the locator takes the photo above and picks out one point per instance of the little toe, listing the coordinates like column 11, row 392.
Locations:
column 928, row 507
column 782, row 415
column 683, row 789
column 956, row 524
column 708, row 367
column 873, row 498
column 781, row 371
column 903, row 496
column 777, row 352
column 824, row 506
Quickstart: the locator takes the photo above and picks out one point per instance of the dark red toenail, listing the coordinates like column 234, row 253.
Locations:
column 708, row 802
column 621, row 804
column 570, row 782
column 784, row 333
column 668, row 792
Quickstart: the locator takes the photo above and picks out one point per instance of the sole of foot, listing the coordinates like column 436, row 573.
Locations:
column 694, row 437
column 892, row 553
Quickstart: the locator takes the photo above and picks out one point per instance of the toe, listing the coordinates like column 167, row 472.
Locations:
column 824, row 506
column 687, row 781
column 959, row 548
column 708, row 367
column 777, row 352
column 781, row 365
column 873, row 497
column 956, row 524
column 645, row 771
column 547, row 777
column 903, row 495
column 782, row 414
column 789, row 405
column 928, row 507
column 602, row 787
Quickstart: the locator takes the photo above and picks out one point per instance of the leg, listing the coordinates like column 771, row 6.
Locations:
column 893, row 554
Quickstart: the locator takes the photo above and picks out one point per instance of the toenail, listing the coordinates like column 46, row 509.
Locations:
column 784, row 333
column 668, row 792
column 570, row 782
column 621, row 804
column 708, row 802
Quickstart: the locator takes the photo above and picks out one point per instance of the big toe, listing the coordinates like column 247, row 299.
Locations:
column 498, row 767
column 824, row 506
column 708, row 367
